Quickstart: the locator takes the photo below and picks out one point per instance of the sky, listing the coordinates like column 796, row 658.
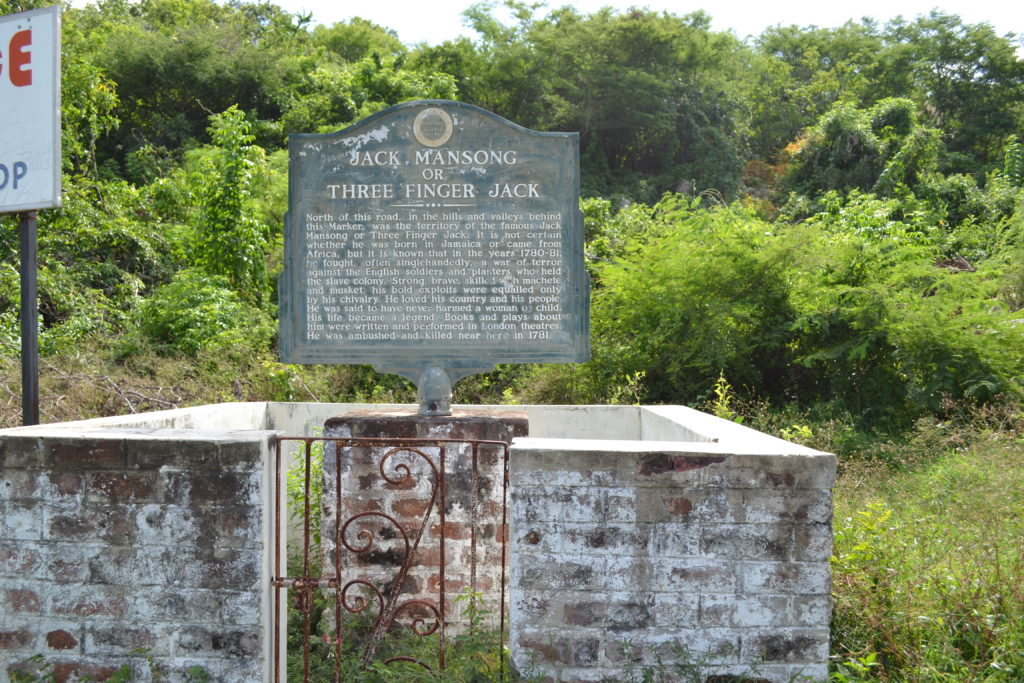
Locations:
column 434, row 21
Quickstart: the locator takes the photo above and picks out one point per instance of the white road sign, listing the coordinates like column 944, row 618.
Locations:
column 30, row 110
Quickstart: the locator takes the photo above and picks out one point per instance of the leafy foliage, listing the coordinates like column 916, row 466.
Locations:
column 865, row 309
column 882, row 150
column 231, row 241
column 198, row 311
column 705, row 295
column 357, row 38
column 885, row 285
column 963, row 78
column 648, row 92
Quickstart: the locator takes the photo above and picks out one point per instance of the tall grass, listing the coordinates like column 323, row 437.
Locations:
column 928, row 567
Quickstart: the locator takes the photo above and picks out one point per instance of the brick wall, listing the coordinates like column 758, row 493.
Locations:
column 715, row 540
column 119, row 546
column 688, row 553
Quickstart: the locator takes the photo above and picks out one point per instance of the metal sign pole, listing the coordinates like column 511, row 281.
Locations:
column 30, row 159
column 29, row 321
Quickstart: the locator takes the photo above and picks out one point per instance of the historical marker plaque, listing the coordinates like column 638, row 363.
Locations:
column 434, row 234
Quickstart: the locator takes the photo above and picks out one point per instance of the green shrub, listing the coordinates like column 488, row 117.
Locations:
column 886, row 327
column 198, row 311
column 703, row 294
column 858, row 313
column 231, row 241
column 840, row 152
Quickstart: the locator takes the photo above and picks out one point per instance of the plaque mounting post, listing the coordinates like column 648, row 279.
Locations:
column 434, row 391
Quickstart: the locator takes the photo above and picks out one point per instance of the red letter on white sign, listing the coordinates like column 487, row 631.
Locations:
column 20, row 59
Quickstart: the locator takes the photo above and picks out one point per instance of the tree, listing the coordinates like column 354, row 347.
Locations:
column 970, row 80
column 230, row 241
column 803, row 72
column 963, row 78
column 650, row 93
column 89, row 102
column 877, row 150
column 177, row 61
column 357, row 38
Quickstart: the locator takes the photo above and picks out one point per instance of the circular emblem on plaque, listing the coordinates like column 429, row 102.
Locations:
column 432, row 127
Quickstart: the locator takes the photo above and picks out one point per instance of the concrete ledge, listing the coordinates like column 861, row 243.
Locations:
column 214, row 417
column 612, row 423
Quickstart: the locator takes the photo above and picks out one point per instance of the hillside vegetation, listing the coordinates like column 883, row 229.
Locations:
column 817, row 231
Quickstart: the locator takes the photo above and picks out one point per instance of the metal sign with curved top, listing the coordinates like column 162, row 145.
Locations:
column 434, row 239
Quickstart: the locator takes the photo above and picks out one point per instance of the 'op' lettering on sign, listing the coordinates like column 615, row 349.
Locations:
column 18, row 171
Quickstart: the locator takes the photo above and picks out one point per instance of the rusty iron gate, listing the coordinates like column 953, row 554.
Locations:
column 388, row 530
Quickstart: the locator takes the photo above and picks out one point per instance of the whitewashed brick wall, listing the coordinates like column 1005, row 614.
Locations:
column 671, row 548
column 118, row 547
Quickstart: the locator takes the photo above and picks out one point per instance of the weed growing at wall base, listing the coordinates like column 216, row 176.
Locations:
column 39, row 669
column 476, row 654
column 677, row 663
